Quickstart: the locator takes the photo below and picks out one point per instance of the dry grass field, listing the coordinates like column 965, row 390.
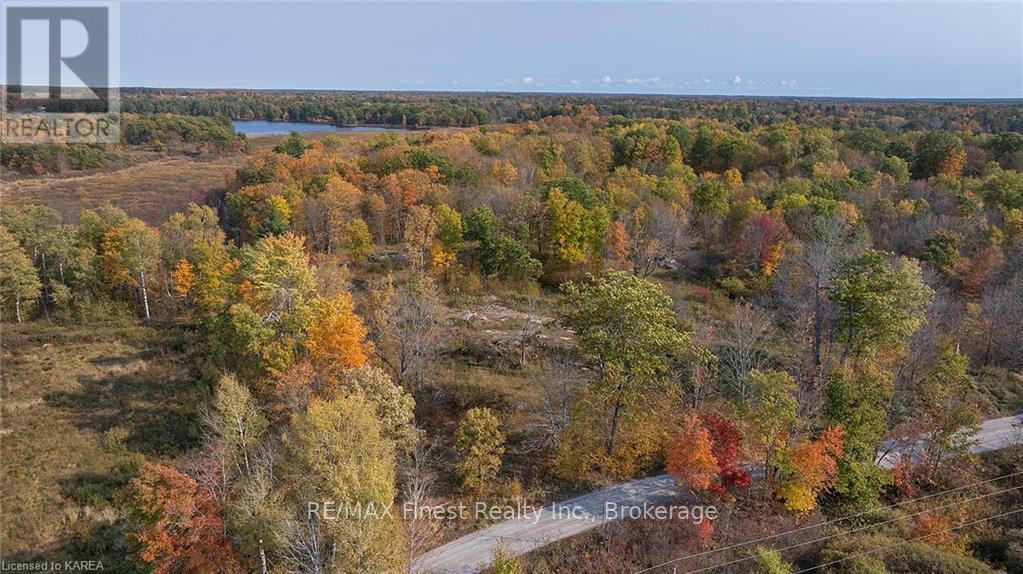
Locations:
column 82, row 406
column 146, row 185
column 150, row 191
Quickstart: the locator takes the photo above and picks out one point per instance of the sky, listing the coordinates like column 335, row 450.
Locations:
column 901, row 50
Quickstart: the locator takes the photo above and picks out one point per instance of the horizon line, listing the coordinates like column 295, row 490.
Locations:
column 586, row 94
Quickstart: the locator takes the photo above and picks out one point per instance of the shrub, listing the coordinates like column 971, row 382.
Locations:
column 768, row 561
column 908, row 558
column 82, row 156
column 31, row 159
column 505, row 562
column 733, row 285
column 480, row 445
column 844, row 549
column 919, row 557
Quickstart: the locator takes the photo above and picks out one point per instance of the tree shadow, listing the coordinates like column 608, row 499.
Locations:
column 143, row 393
column 86, row 540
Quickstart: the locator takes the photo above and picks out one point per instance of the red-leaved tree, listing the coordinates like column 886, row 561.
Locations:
column 182, row 529
column 727, row 440
column 703, row 456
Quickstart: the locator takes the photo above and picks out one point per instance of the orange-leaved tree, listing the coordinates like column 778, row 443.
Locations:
column 336, row 338
column 703, row 456
column 809, row 467
column 183, row 277
column 691, row 459
column 182, row 528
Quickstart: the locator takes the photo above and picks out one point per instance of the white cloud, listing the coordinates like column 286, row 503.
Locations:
column 605, row 79
column 737, row 80
column 528, row 80
column 642, row 81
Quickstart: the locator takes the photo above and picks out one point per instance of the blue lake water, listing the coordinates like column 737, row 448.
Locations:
column 266, row 128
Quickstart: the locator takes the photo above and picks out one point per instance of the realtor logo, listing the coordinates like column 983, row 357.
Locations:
column 61, row 84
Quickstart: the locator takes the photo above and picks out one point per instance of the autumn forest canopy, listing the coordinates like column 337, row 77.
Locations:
column 524, row 299
column 446, row 109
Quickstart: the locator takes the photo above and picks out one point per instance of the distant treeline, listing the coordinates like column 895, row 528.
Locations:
column 164, row 132
column 420, row 109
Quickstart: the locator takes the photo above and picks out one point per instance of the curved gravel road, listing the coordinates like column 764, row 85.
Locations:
column 473, row 552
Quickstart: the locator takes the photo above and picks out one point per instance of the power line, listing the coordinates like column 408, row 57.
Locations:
column 889, row 521
column 860, row 529
column 901, row 542
column 832, row 521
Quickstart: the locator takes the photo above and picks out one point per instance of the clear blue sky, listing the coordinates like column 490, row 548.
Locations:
column 906, row 49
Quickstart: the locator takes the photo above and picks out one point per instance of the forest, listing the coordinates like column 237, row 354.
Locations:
column 543, row 296
column 448, row 109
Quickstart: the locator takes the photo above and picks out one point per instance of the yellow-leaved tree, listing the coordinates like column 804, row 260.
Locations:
column 336, row 337
column 336, row 451
column 809, row 467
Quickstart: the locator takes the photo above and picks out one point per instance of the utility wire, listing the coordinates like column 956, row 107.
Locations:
column 793, row 531
column 861, row 528
column 832, row 521
column 901, row 542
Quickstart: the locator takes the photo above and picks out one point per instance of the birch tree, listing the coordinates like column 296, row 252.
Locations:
column 131, row 252
column 18, row 278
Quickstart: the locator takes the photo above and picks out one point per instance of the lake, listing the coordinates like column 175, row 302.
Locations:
column 266, row 128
